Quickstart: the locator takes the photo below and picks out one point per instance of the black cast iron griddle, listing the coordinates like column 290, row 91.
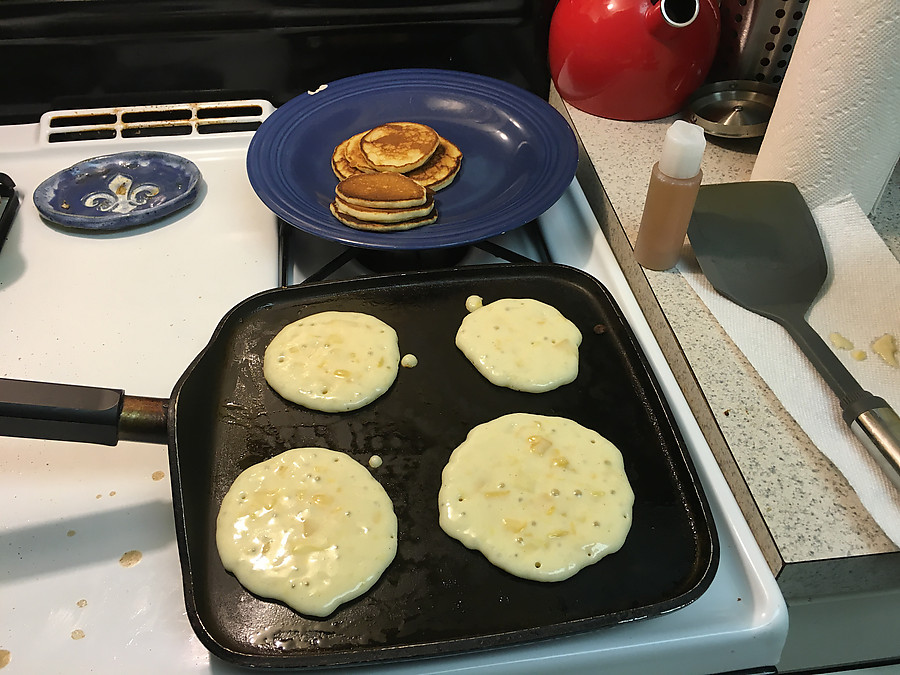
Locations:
column 437, row 597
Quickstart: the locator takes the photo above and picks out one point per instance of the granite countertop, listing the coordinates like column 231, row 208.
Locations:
column 816, row 535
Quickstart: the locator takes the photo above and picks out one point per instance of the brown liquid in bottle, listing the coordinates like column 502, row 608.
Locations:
column 667, row 213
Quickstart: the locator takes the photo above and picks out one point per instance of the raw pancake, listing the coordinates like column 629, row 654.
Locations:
column 540, row 497
column 399, row 146
column 310, row 527
column 333, row 361
column 522, row 344
column 440, row 170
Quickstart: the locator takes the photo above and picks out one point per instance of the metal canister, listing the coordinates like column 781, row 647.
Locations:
column 757, row 39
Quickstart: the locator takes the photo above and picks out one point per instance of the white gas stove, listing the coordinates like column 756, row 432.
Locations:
column 90, row 578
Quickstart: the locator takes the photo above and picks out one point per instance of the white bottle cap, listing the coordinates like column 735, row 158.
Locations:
column 682, row 150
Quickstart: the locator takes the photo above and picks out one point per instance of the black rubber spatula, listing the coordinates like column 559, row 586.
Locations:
column 759, row 246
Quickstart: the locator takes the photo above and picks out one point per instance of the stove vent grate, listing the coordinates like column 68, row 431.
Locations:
column 187, row 119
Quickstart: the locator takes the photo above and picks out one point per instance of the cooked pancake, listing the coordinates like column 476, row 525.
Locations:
column 381, row 191
column 342, row 172
column 340, row 162
column 354, row 154
column 359, row 224
column 541, row 497
column 385, row 215
column 440, row 170
column 310, row 527
column 333, row 361
column 520, row 343
column 399, row 146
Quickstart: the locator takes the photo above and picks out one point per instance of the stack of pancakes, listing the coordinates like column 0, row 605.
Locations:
column 383, row 202
column 389, row 175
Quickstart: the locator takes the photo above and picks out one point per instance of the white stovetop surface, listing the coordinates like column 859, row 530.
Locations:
column 131, row 311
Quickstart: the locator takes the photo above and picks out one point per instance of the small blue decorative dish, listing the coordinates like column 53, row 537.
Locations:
column 114, row 192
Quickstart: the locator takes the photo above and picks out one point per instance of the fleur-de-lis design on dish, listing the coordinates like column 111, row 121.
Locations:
column 121, row 198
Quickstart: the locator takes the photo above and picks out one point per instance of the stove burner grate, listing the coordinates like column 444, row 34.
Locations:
column 385, row 261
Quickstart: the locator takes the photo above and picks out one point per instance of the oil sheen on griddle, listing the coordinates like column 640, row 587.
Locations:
column 674, row 183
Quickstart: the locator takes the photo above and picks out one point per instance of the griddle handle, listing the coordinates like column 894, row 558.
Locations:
column 144, row 419
column 69, row 412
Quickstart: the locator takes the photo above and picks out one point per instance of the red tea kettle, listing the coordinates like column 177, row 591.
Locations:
column 631, row 59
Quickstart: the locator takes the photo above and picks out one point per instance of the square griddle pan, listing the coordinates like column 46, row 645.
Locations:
column 437, row 597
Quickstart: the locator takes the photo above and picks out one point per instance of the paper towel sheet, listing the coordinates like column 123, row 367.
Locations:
column 861, row 301
column 835, row 128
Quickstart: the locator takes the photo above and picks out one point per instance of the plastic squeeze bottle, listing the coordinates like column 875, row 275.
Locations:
column 674, row 183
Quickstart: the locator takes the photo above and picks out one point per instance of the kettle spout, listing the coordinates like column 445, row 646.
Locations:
column 664, row 17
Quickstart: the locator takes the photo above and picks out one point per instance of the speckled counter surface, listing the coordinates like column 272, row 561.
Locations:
column 815, row 533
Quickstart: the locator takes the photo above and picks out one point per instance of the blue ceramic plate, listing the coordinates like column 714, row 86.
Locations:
column 519, row 154
column 113, row 192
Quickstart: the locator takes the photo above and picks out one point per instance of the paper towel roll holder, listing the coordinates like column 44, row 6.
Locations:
column 733, row 108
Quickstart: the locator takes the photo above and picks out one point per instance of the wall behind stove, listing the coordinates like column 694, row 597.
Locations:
column 128, row 52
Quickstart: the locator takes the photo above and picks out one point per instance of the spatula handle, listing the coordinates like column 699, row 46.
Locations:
column 870, row 418
column 877, row 426
column 835, row 374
